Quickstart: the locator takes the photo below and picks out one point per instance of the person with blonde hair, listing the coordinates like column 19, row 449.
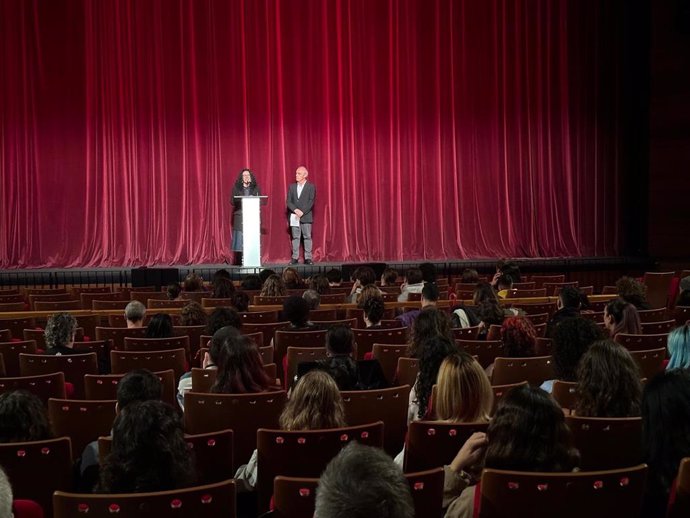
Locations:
column 315, row 404
column 463, row 390
column 273, row 287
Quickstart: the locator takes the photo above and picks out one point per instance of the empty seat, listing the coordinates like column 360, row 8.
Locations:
column 259, row 317
column 117, row 335
column 44, row 386
column 642, row 342
column 122, row 362
column 486, row 351
column 607, row 442
column 680, row 508
column 664, row 326
column 80, row 420
column 651, row 362
column 209, row 500
column 75, row 366
column 10, row 353
column 104, row 386
column 387, row 356
column 366, row 338
column 406, row 373
column 534, row 370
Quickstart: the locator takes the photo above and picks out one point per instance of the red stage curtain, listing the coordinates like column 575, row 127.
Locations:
column 437, row 129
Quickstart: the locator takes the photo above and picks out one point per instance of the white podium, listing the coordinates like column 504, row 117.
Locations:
column 251, row 230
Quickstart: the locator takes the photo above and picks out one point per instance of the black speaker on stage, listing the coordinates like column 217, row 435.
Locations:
column 157, row 277
column 347, row 269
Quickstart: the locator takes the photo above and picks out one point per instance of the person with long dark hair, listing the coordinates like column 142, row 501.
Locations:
column 665, row 435
column 608, row 382
column 245, row 185
column 621, row 317
column 528, row 433
column 149, row 452
column 23, row 418
column 161, row 326
column 433, row 352
column 240, row 369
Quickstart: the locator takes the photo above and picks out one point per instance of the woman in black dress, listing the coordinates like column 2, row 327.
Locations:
column 245, row 185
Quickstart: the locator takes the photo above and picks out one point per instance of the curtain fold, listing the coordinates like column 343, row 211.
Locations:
column 432, row 129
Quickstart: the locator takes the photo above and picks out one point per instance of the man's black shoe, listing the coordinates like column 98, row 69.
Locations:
column 294, row 261
column 308, row 261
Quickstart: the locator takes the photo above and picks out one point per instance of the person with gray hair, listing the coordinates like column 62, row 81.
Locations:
column 313, row 298
column 135, row 312
column 60, row 332
column 360, row 482
column 5, row 496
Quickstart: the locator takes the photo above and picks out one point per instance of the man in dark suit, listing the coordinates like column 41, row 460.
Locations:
column 300, row 202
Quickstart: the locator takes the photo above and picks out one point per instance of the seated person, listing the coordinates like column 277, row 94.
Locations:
column 335, row 277
column 320, row 284
column 414, row 283
column 348, row 373
column 363, row 481
column 678, row 344
column 210, row 360
column 433, row 351
column 571, row 339
column 389, row 277
column 251, row 282
column 313, row 298
column 296, row 311
column 621, row 317
column 193, row 315
column 315, row 404
column 135, row 386
column 684, row 292
column 149, row 452
column 240, row 369
column 608, row 382
column 59, row 334
column 240, row 301
column 161, row 326
column 221, row 317
column 373, row 308
column 23, row 418
column 430, row 296
column 135, row 312
column 632, row 292
column 569, row 305
column 363, row 276
column 527, row 433
column 504, row 283
column 223, row 288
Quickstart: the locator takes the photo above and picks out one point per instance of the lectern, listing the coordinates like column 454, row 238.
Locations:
column 251, row 230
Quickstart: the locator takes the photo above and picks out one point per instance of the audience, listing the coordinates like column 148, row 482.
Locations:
column 135, row 312
column 432, row 354
column 608, row 382
column 363, row 482
column 160, row 326
column 389, row 277
column 665, row 436
column 487, row 308
column 23, row 418
column 313, row 298
column 335, row 277
column 265, row 274
column 428, row 272
column 296, row 311
column 469, row 276
column 240, row 301
column 223, row 288
column 430, row 296
column 528, row 433
column 221, row 317
column 149, row 452
column 251, row 282
column 365, row 293
column 519, row 338
column 273, row 287
column 6, row 498
column 193, row 282
column 292, row 278
column 571, row 339
column 192, row 314
column 315, row 404
column 504, row 283
column 363, row 276
column 173, row 291
column 679, row 348
column 414, row 283
column 633, row 292
column 373, row 308
column 240, row 369
column 320, row 284
column 621, row 317
column 683, row 298
column 569, row 305
column 431, row 323
column 59, row 334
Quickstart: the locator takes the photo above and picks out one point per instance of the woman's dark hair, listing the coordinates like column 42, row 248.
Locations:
column 193, row 282
column 265, row 274
column 340, row 340
column 633, row 292
column 487, row 308
column 240, row 369
column 683, row 298
column 161, row 326
column 430, row 323
column 413, row 276
column 251, row 282
column 240, row 300
column 374, row 308
column 571, row 339
column 221, row 317
column 365, row 275
column 666, row 427
column 292, row 279
column 192, row 314
column 239, row 185
column 223, row 288
column 334, row 275
column 519, row 338
column 469, row 275
column 23, row 418
column 529, row 433
column 433, row 351
column 625, row 317
column 221, row 274
column 173, row 290
column 320, row 284
column 390, row 276
column 608, row 382
column 296, row 310
column 149, row 452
